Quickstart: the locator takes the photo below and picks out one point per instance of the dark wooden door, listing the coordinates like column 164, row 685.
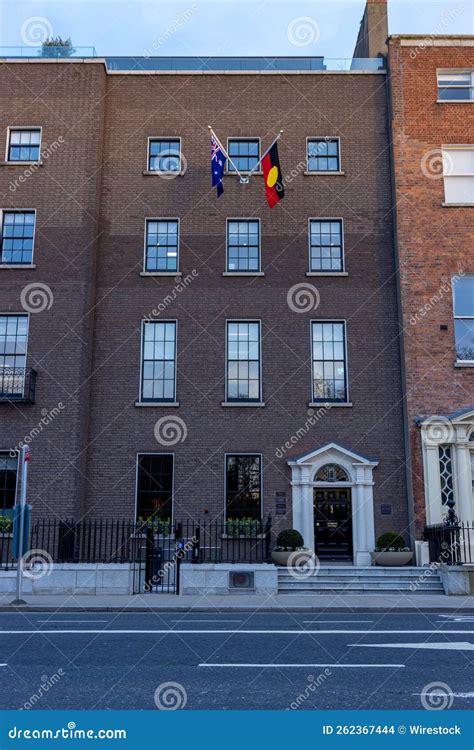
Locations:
column 333, row 524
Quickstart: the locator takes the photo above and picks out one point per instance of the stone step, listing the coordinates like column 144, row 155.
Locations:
column 363, row 572
column 298, row 587
column 344, row 581
column 360, row 592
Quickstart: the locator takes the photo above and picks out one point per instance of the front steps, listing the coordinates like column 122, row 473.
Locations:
column 345, row 579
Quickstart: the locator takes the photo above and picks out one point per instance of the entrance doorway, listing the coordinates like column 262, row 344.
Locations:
column 333, row 524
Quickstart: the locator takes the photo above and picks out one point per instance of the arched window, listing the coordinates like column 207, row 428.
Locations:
column 331, row 473
column 471, row 437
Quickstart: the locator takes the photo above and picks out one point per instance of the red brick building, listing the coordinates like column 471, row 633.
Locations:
column 432, row 122
column 210, row 356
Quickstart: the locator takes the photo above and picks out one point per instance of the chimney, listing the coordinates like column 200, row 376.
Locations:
column 373, row 32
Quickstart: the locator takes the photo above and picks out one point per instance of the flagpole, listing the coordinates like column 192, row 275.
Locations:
column 225, row 152
column 266, row 152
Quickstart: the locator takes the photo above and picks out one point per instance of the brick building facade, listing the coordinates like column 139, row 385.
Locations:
column 432, row 120
column 204, row 330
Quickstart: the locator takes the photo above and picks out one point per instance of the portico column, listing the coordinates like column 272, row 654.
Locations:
column 463, row 477
column 363, row 514
column 434, row 512
column 308, row 510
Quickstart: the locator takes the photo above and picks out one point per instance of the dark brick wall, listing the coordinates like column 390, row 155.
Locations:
column 434, row 242
column 351, row 106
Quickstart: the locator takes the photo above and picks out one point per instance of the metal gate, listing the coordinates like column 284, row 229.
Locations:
column 158, row 554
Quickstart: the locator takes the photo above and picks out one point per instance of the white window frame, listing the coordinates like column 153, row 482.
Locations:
column 244, row 138
column 155, row 453
column 10, row 451
column 13, row 314
column 260, row 370
column 461, row 362
column 456, row 71
column 140, row 385
column 18, row 211
column 228, row 271
column 161, row 273
column 320, row 402
column 178, row 172
column 12, row 128
column 324, row 138
column 244, row 453
column 329, row 272
column 447, row 147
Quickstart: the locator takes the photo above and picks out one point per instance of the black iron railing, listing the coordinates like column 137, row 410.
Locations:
column 452, row 544
column 18, row 384
column 125, row 541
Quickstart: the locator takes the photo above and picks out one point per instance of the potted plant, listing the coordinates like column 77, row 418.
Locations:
column 6, row 525
column 288, row 542
column 245, row 528
column 391, row 550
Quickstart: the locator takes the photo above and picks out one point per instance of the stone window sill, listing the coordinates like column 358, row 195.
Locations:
column 457, row 205
column 156, row 404
column 17, row 266
column 167, row 175
column 454, row 101
column 327, row 273
column 21, row 163
column 243, row 273
column 329, row 404
column 161, row 273
column 460, row 363
column 310, row 173
column 243, row 403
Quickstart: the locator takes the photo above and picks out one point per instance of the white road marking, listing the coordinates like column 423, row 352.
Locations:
column 330, row 622
column 455, row 695
column 3, row 665
column 66, row 622
column 463, row 646
column 183, row 631
column 190, row 622
column 305, row 666
column 457, row 618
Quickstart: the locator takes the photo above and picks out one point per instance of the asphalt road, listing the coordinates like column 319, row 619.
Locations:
column 236, row 661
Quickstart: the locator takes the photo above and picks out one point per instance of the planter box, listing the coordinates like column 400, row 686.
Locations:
column 283, row 557
column 391, row 559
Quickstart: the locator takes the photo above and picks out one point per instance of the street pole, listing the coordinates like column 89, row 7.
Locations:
column 25, row 457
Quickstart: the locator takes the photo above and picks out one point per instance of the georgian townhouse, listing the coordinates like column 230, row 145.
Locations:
column 432, row 122
column 173, row 354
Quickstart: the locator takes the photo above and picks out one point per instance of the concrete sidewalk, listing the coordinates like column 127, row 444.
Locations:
column 244, row 603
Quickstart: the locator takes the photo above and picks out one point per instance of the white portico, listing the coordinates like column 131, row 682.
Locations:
column 325, row 470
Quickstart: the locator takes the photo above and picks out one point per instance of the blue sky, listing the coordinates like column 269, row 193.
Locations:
column 221, row 27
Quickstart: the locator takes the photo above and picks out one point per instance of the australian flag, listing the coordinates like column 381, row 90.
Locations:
column 217, row 166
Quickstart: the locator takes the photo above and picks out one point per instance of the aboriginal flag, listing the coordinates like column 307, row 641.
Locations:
column 272, row 176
